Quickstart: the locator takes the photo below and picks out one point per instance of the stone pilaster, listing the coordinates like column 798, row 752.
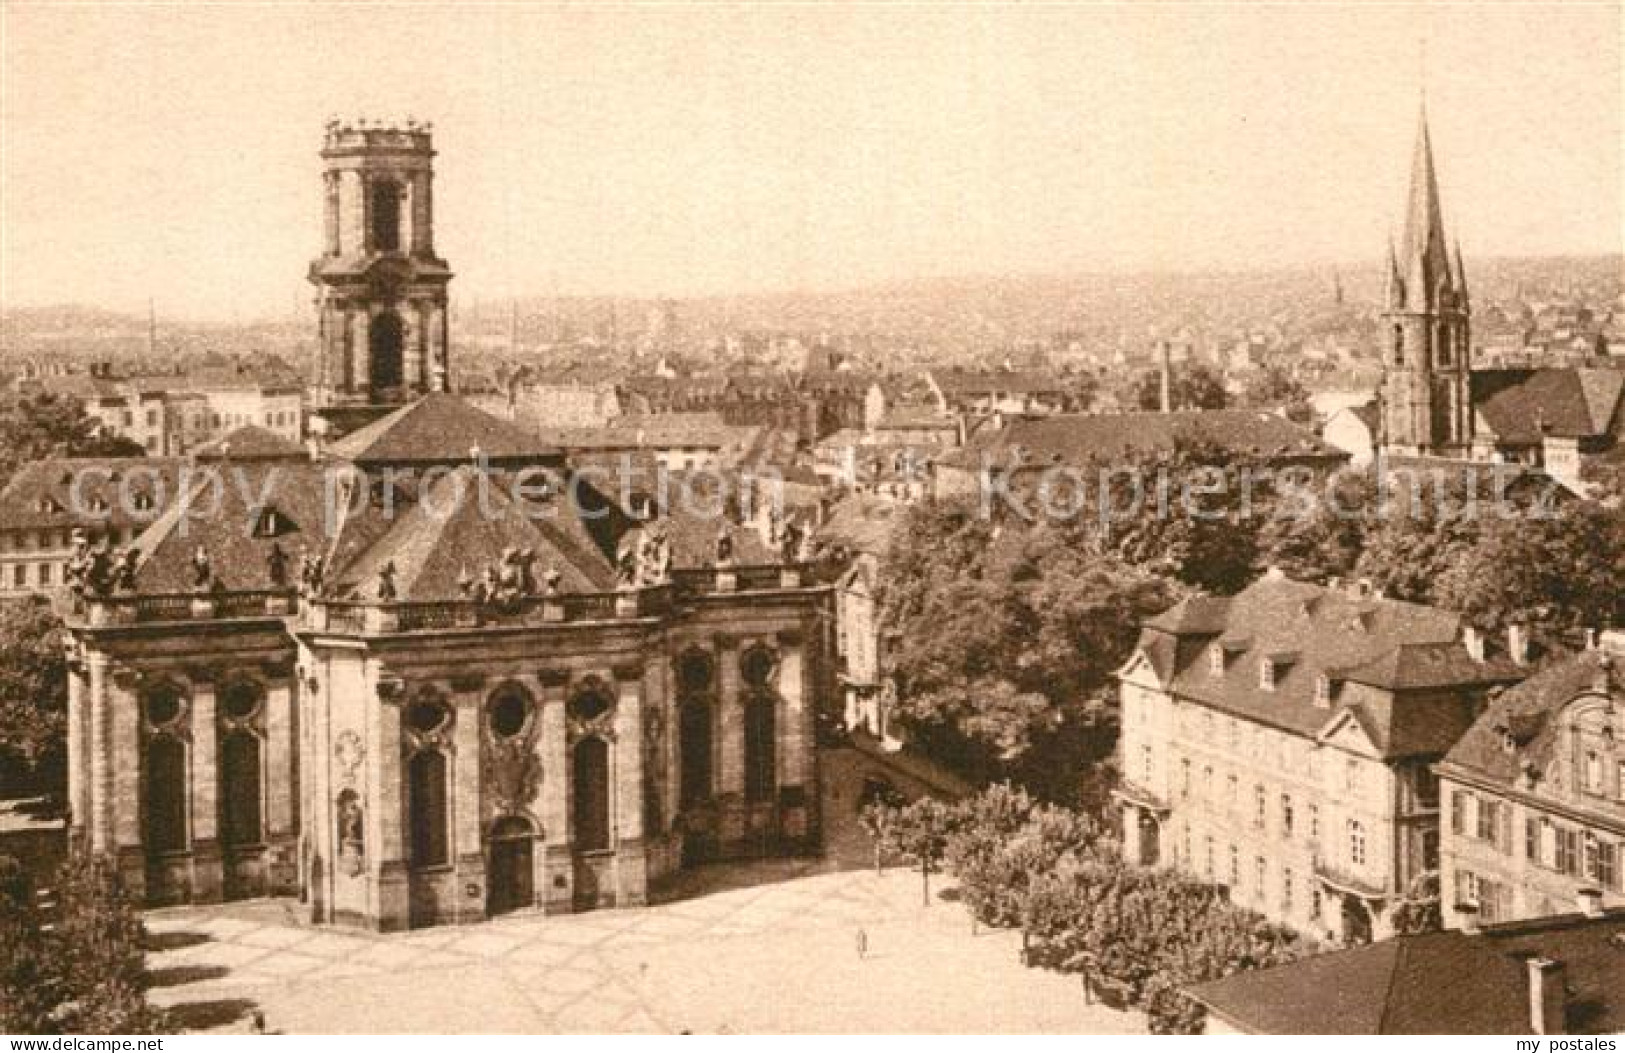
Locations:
column 730, row 720
column 78, row 752
column 557, row 885
column 99, row 820
column 465, row 790
column 795, row 727
column 205, row 795
column 280, row 760
column 631, row 869
column 387, row 817
column 361, row 352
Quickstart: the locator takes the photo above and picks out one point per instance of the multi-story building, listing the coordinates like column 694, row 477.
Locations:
column 1535, row 794
column 48, row 504
column 1280, row 742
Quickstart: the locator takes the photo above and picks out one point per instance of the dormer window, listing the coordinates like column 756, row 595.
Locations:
column 143, row 502
column 271, row 522
column 1215, row 660
column 1323, row 690
column 1266, row 674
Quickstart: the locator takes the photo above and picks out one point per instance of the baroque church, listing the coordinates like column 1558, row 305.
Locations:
column 425, row 673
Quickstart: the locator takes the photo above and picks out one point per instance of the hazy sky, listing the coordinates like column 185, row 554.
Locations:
column 171, row 152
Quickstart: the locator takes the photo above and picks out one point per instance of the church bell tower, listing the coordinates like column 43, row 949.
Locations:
column 380, row 288
column 1426, row 367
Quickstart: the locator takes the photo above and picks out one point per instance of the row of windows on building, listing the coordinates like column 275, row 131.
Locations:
column 509, row 715
column 1246, row 738
column 54, row 538
column 1554, row 846
column 272, row 419
column 1255, row 890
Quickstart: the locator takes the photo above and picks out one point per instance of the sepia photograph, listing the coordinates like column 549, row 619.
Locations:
column 784, row 518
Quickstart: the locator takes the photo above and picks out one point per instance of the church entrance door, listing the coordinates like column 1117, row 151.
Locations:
column 511, row 879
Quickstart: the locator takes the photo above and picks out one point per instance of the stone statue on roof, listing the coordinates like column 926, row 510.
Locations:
column 724, row 547
column 654, row 556
column 124, row 575
column 311, row 573
column 276, row 565
column 550, row 581
column 386, row 582
column 626, row 560
column 203, row 579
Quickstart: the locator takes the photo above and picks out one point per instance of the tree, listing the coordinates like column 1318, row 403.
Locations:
column 1550, row 571
column 1192, row 387
column 1419, row 912
column 921, row 833
column 33, row 686
column 99, row 943
column 1005, row 633
column 84, row 974
column 33, row 427
column 877, row 818
column 1275, row 387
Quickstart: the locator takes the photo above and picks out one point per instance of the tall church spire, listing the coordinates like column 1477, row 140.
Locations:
column 1424, row 256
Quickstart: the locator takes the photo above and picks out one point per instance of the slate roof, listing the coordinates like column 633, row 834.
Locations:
column 250, row 443
column 1399, row 649
column 1075, row 438
column 226, row 531
column 41, row 493
column 1527, row 712
column 1524, row 406
column 447, row 535
column 441, row 428
column 862, row 523
column 1439, row 983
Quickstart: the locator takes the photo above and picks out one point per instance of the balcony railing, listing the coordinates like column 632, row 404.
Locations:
column 351, row 616
column 141, row 609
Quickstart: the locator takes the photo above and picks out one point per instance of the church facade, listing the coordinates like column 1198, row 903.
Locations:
column 429, row 674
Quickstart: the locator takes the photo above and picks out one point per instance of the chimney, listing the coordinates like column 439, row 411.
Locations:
column 1547, row 998
column 1167, row 360
column 1467, row 914
column 1473, row 640
column 1590, row 900
column 1518, row 644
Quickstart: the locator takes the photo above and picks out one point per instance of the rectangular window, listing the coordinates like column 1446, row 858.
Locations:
column 1356, row 843
column 1314, row 821
column 1531, row 839
column 1185, row 777
column 1146, row 764
column 1286, row 815
column 1235, row 868
column 19, row 575
column 1486, row 820
column 1593, row 772
column 1259, row 806
column 1286, row 890
column 1258, row 876
column 44, row 573
column 1458, row 811
column 1608, row 865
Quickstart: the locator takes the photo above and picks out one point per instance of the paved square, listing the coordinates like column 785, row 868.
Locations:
column 779, row 957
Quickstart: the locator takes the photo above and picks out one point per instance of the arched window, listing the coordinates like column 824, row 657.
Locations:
column 386, row 216
column 240, row 785
column 590, row 786
column 385, row 340
column 426, row 808
column 695, row 744
column 760, row 777
column 166, row 794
